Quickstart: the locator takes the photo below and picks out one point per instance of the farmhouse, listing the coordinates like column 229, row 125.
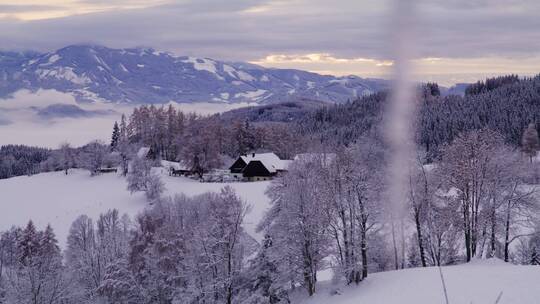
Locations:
column 258, row 166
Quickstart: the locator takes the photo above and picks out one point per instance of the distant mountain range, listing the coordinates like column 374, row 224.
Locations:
column 141, row 75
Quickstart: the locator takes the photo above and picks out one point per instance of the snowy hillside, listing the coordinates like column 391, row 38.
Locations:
column 478, row 282
column 93, row 73
column 58, row 199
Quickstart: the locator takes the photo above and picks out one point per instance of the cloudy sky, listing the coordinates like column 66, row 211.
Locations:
column 457, row 40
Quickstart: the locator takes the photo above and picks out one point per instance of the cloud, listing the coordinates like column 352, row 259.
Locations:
column 248, row 30
column 325, row 63
column 22, row 8
column 219, row 29
column 4, row 120
column 42, row 98
column 48, row 118
column 25, row 122
column 317, row 57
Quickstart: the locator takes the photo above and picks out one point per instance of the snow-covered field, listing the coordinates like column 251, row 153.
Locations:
column 57, row 199
column 478, row 282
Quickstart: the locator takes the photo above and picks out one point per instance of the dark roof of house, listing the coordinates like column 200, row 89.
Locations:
column 238, row 166
column 270, row 160
column 256, row 168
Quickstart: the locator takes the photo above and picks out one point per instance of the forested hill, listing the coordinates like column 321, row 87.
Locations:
column 285, row 112
column 505, row 104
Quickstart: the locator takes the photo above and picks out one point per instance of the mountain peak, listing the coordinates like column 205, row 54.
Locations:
column 143, row 75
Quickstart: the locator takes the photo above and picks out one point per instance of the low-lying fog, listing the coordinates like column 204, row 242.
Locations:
column 48, row 118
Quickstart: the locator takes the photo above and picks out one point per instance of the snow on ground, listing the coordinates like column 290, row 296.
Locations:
column 56, row 199
column 478, row 282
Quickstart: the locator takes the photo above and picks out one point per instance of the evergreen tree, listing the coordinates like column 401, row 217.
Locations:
column 38, row 277
column 115, row 138
column 266, row 284
column 28, row 244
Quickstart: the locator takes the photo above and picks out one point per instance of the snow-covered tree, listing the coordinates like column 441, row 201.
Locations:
column 140, row 171
column 124, row 147
column 265, row 285
column 200, row 150
column 190, row 250
column 465, row 164
column 530, row 142
column 154, row 187
column 90, row 249
column 297, row 223
column 94, row 155
column 67, row 157
column 37, row 276
column 352, row 183
column 141, row 178
column 115, row 137
column 118, row 285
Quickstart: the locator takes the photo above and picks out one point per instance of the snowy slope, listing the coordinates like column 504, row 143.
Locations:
column 97, row 73
column 478, row 282
column 58, row 199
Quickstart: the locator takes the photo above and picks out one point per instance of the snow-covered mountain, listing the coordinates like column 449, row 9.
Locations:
column 142, row 75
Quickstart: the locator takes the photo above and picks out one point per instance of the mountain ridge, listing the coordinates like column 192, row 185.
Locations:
column 144, row 75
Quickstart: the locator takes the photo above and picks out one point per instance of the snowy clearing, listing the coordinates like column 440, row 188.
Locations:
column 56, row 199
column 478, row 282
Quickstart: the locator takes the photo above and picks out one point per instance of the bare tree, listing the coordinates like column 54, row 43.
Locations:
column 421, row 194
column 67, row 157
column 467, row 166
column 530, row 142
column 94, row 155
column 297, row 223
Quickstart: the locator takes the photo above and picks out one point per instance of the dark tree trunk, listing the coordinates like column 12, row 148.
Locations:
column 394, row 243
column 419, row 235
column 507, row 233
column 493, row 232
column 309, row 272
column 467, row 231
column 363, row 252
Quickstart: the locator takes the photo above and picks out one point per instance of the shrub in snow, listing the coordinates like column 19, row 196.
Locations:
column 154, row 187
column 140, row 178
